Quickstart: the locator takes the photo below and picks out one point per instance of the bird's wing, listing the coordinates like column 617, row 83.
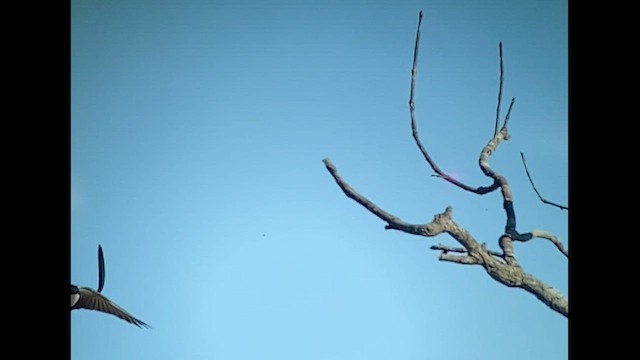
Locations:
column 101, row 271
column 92, row 300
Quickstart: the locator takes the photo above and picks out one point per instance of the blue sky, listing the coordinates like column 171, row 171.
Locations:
column 198, row 130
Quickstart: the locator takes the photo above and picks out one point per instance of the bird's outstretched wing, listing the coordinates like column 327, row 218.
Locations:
column 101, row 271
column 92, row 300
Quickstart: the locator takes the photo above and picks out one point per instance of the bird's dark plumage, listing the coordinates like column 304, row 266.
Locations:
column 101, row 273
column 86, row 298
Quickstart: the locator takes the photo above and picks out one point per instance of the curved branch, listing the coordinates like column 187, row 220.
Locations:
column 526, row 169
column 501, row 267
column 392, row 221
column 540, row 234
column 509, row 274
column 414, row 129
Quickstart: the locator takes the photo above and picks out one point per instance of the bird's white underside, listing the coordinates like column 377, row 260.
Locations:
column 74, row 299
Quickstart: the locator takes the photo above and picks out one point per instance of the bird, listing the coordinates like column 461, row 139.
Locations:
column 83, row 297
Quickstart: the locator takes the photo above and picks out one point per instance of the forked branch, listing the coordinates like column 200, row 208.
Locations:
column 506, row 272
column 502, row 267
column 487, row 150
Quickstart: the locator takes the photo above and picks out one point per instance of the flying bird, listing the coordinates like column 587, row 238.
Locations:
column 83, row 297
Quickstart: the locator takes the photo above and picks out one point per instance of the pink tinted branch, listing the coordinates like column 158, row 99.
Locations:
column 414, row 129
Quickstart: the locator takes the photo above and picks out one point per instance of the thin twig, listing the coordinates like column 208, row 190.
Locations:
column 446, row 249
column 562, row 207
column 414, row 70
column 506, row 118
column 495, row 131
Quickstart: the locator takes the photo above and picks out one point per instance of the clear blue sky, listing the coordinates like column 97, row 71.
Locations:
column 198, row 130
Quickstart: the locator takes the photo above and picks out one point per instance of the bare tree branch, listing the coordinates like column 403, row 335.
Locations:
column 506, row 244
column 414, row 127
column 509, row 274
column 504, row 267
column 495, row 131
column 506, row 118
column 540, row 234
column 392, row 221
column 460, row 259
column 545, row 293
column 562, row 207
column 446, row 249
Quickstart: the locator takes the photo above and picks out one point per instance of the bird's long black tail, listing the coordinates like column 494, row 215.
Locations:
column 101, row 271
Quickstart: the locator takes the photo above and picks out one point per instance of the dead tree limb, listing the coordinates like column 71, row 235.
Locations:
column 540, row 234
column 495, row 131
column 414, row 129
column 502, row 267
column 526, row 169
column 506, row 272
